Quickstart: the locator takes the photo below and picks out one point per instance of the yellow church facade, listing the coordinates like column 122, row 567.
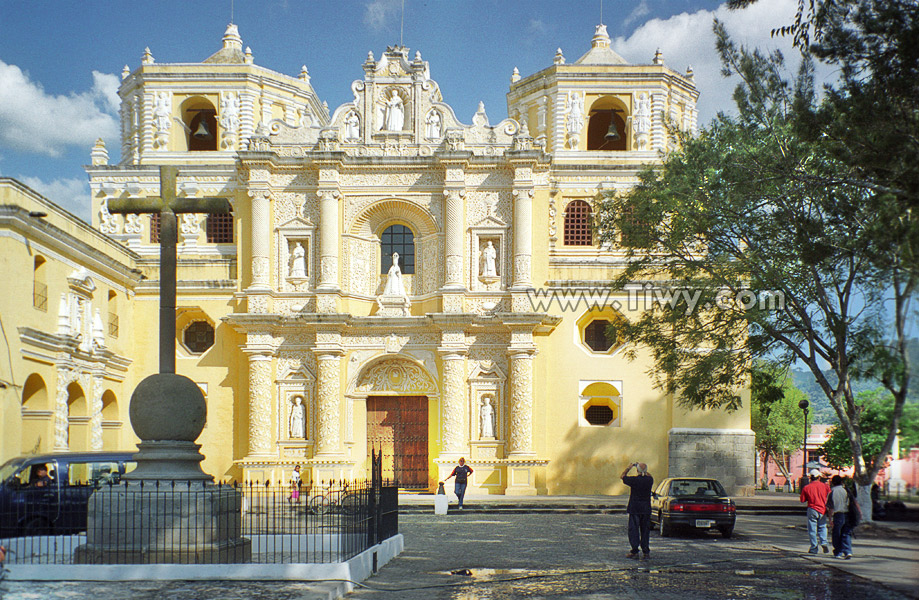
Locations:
column 390, row 278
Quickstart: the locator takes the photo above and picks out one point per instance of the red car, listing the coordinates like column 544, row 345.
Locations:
column 692, row 502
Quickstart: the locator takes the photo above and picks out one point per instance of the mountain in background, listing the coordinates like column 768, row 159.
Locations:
column 820, row 409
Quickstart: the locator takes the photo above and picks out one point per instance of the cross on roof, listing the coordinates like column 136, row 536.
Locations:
column 168, row 205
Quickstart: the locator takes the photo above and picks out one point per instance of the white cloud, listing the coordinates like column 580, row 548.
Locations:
column 637, row 13
column 687, row 40
column 378, row 12
column 538, row 26
column 34, row 121
column 69, row 194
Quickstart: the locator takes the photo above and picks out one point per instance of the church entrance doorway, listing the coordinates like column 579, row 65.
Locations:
column 398, row 425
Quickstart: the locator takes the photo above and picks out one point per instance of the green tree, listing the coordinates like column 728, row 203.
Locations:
column 875, row 423
column 757, row 238
column 775, row 416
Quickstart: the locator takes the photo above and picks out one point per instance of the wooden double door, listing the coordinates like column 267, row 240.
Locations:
column 398, row 425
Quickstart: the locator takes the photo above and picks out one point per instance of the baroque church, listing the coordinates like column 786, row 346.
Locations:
column 390, row 277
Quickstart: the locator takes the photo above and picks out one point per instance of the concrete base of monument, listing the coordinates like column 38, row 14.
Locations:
column 144, row 522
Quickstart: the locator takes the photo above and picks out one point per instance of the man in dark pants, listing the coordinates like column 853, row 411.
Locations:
column 639, row 508
column 462, row 473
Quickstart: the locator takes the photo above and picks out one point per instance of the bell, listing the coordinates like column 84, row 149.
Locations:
column 612, row 134
column 203, row 133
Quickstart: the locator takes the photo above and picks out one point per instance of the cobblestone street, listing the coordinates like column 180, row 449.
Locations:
column 543, row 556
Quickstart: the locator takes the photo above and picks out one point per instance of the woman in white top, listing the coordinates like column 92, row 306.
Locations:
column 294, row 485
column 838, row 513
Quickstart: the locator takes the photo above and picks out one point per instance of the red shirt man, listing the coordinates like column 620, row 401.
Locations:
column 815, row 494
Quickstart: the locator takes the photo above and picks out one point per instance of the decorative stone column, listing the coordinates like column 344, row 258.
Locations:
column 523, row 237
column 261, row 243
column 61, row 413
column 453, row 412
column 453, row 247
column 260, row 438
column 328, row 403
column 95, row 411
column 521, row 403
column 328, row 240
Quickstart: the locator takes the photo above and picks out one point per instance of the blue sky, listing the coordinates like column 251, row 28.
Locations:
column 60, row 61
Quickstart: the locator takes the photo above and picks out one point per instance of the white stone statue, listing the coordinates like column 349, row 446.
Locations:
column 229, row 118
column 642, row 120
column 433, row 125
column 394, row 113
column 352, row 126
column 162, row 113
column 298, row 262
column 487, row 415
column 575, row 119
column 394, row 285
column 297, row 419
column 489, row 260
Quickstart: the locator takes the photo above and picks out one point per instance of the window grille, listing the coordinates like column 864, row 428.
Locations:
column 40, row 296
column 398, row 238
column 595, row 336
column 578, row 224
column 598, row 415
column 220, row 228
column 198, row 337
column 155, row 226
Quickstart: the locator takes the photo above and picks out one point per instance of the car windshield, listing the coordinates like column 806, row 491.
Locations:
column 9, row 468
column 696, row 487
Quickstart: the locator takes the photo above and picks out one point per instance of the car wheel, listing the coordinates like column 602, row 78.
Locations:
column 666, row 527
column 726, row 531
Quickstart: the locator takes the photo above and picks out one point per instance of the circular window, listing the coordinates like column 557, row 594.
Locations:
column 599, row 415
column 198, row 337
column 595, row 336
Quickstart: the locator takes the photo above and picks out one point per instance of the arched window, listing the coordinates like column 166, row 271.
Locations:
column 219, row 228
column 112, row 314
column 39, row 286
column 398, row 238
column 578, row 224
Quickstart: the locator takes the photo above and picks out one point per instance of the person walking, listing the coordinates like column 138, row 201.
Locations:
column 639, row 508
column 838, row 511
column 815, row 494
column 462, row 472
column 294, row 485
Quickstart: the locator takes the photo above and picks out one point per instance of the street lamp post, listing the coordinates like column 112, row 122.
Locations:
column 803, row 404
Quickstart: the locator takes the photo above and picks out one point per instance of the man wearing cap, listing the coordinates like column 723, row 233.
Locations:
column 815, row 494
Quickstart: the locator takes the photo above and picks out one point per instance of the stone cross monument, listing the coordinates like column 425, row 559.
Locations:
column 128, row 523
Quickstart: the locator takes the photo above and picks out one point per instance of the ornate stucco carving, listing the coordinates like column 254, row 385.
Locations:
column 260, row 436
column 95, row 410
column 328, row 396
column 395, row 375
column 521, row 404
column 61, row 410
column 453, row 411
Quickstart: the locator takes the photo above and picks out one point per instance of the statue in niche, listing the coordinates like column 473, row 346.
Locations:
column 297, row 419
column 162, row 111
column 298, row 262
column 489, row 260
column 352, row 126
column 433, row 125
column 575, row 119
column 393, row 113
column 487, row 416
column 394, row 285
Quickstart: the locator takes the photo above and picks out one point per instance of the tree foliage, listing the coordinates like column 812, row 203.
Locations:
column 769, row 239
column 775, row 415
column 875, row 424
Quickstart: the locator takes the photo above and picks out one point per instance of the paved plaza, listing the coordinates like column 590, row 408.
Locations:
column 505, row 554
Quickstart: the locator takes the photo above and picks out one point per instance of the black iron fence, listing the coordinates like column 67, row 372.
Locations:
column 182, row 522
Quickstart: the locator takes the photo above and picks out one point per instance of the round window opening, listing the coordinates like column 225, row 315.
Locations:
column 595, row 336
column 199, row 336
column 599, row 415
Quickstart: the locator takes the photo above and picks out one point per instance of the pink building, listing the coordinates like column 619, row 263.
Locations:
column 770, row 473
